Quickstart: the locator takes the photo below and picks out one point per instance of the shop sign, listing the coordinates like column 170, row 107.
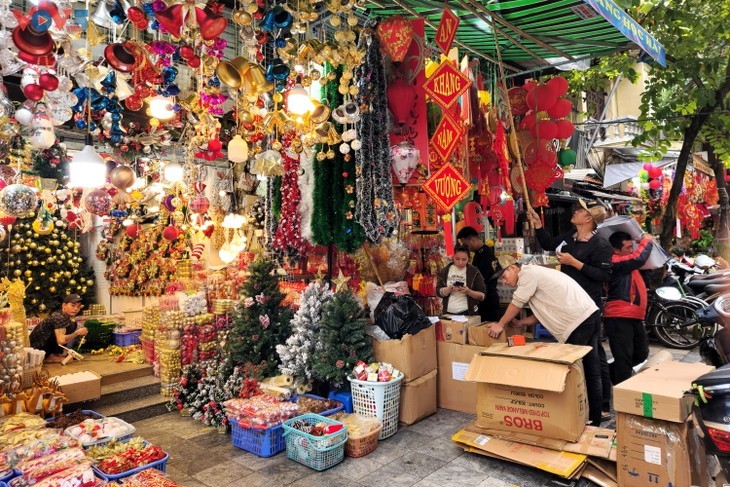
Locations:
column 447, row 187
column 445, row 138
column 447, row 30
column 446, row 84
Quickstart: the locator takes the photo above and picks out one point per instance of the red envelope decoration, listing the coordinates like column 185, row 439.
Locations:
column 395, row 35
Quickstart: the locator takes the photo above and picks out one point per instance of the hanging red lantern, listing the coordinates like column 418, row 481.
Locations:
column 654, row 172
column 200, row 204
column 530, row 84
column 540, row 152
column 541, row 98
column 559, row 85
column 545, row 129
column 517, row 100
column 565, row 129
column 395, row 35
column 401, row 100
column 528, row 122
column 561, row 109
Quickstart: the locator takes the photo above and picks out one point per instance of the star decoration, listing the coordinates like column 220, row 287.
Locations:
column 341, row 282
column 319, row 276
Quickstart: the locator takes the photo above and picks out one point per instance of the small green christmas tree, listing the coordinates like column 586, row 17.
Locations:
column 51, row 162
column 260, row 323
column 342, row 338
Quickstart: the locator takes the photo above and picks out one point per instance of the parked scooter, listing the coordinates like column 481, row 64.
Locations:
column 712, row 405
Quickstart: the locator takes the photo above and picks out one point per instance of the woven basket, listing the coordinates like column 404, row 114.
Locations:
column 359, row 447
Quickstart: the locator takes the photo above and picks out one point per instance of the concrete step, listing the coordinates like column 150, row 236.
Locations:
column 137, row 409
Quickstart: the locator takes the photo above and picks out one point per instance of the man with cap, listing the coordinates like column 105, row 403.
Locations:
column 562, row 306
column 58, row 329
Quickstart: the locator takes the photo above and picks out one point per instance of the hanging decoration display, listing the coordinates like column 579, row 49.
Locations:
column 446, row 31
column 447, row 136
column 446, row 187
column 288, row 238
column 446, row 84
column 395, row 35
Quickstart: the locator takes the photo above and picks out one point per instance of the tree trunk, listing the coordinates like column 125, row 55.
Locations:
column 722, row 236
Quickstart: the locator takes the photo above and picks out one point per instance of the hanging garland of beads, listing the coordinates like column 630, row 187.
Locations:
column 375, row 208
column 288, row 238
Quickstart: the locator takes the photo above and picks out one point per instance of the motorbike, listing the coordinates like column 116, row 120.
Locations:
column 712, row 405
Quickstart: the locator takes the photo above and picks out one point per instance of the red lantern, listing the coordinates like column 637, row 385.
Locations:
column 517, row 100
column 170, row 233
column 133, row 230
column 528, row 122
column 395, row 35
column 561, row 109
column 541, row 98
column 545, row 129
column 540, row 152
column 530, row 84
column 559, row 85
column 565, row 129
column 401, row 100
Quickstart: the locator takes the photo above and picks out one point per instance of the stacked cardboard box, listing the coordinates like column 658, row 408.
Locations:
column 657, row 442
column 415, row 356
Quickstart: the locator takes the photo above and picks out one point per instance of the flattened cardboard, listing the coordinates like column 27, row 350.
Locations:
column 453, row 391
column 414, row 355
column 479, row 335
column 656, row 452
column 659, row 392
column 418, row 398
column 455, row 331
column 551, row 399
column 80, row 386
column 608, row 467
column 598, row 477
column 559, row 463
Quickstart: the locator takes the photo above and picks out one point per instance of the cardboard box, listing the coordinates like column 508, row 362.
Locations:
column 414, row 355
column 455, row 331
column 656, row 452
column 453, row 391
column 418, row 398
column 550, row 400
column 659, row 392
column 80, row 386
column 479, row 335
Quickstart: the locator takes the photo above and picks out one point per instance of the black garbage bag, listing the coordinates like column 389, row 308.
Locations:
column 400, row 315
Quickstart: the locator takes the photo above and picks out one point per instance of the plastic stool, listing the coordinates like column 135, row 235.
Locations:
column 344, row 397
column 542, row 332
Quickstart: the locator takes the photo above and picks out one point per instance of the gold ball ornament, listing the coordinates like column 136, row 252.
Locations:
column 52, row 289
column 67, row 274
column 336, row 21
column 42, row 307
column 33, row 245
column 122, row 177
column 90, row 282
column 278, row 97
column 72, row 282
column 28, row 273
column 47, row 250
column 17, row 273
column 276, row 145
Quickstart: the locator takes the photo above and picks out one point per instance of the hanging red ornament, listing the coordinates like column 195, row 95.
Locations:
column 395, row 34
column 545, row 129
column 541, row 98
column 133, row 230
column 655, row 184
column 48, row 82
column 654, row 172
column 559, row 85
column 565, row 129
column 518, row 101
column 170, row 233
column 529, row 121
column 199, row 204
column 33, row 92
column 401, row 100
column 561, row 109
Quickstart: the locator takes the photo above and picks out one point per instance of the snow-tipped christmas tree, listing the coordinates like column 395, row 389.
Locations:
column 260, row 321
column 342, row 337
column 206, row 402
column 297, row 355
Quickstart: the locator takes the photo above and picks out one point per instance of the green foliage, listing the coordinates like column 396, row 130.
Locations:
column 605, row 71
column 100, row 335
column 704, row 243
column 260, row 321
column 343, row 339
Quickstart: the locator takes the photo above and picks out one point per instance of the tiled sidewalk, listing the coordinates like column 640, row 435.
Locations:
column 421, row 455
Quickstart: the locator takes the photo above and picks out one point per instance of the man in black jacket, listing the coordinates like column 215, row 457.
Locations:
column 486, row 262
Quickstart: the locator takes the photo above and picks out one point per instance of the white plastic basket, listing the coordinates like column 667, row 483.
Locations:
column 378, row 399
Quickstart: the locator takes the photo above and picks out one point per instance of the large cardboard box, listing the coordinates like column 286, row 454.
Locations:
column 479, row 335
column 455, row 331
column 453, row 390
column 656, row 452
column 414, row 355
column 537, row 389
column 418, row 398
column 659, row 392
column 80, row 386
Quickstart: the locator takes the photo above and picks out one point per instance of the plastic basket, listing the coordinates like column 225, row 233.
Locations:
column 316, row 452
column 160, row 465
column 88, row 412
column 103, row 441
column 264, row 443
column 359, row 447
column 126, row 339
column 378, row 399
column 329, row 412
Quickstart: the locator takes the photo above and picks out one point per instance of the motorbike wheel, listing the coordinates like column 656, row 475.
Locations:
column 669, row 331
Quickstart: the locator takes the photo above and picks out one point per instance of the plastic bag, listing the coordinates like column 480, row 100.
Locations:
column 400, row 315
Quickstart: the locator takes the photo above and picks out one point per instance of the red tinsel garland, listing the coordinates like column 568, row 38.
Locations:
column 288, row 238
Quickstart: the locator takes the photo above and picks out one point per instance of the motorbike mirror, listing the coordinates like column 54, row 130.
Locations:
column 722, row 306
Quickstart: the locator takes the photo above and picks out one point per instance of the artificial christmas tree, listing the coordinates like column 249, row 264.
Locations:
column 297, row 355
column 342, row 338
column 260, row 321
column 51, row 162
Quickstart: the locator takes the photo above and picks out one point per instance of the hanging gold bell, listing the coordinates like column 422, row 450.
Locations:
column 320, row 113
column 255, row 82
column 231, row 73
column 241, row 17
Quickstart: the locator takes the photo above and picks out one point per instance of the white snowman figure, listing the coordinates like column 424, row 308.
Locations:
column 24, row 114
column 42, row 136
column 29, row 77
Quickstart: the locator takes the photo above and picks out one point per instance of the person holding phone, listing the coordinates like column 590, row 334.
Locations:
column 461, row 285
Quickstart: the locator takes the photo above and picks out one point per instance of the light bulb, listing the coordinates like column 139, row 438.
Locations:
column 237, row 149
column 298, row 100
column 226, row 253
column 87, row 169
column 173, row 172
column 161, row 108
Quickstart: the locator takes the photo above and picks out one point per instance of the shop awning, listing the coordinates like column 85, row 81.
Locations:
column 618, row 173
column 531, row 32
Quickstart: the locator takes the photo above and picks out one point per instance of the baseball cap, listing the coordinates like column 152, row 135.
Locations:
column 596, row 210
column 504, row 262
column 72, row 298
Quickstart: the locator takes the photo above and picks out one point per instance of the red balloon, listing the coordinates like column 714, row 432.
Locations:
column 187, row 52
column 647, row 166
column 528, row 122
column 133, row 230
column 170, row 233
column 655, row 172
column 559, row 85
column 655, row 184
column 561, row 109
column 33, row 92
column 545, row 129
column 565, row 129
column 541, row 98
column 48, row 82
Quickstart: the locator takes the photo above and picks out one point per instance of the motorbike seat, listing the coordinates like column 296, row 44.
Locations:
column 701, row 285
column 717, row 377
column 724, row 274
column 717, row 288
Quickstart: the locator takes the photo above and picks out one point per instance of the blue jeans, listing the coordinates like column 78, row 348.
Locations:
column 588, row 334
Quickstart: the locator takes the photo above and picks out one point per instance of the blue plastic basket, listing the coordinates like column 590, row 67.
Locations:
column 88, row 412
column 3, row 484
column 127, row 339
column 316, row 452
column 264, row 443
column 345, row 397
column 329, row 412
column 160, row 465
column 13, row 473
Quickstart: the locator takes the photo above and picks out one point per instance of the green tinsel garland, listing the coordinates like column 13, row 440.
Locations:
column 322, row 208
column 276, row 202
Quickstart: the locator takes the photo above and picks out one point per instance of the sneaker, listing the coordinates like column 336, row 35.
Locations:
column 605, row 415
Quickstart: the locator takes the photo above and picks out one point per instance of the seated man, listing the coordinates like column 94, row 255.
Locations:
column 58, row 329
column 563, row 307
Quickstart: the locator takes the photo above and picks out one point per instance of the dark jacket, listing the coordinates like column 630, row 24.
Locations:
column 595, row 254
column 485, row 260
column 474, row 280
column 626, row 289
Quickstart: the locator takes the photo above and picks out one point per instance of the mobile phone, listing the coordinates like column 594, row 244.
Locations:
column 458, row 284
